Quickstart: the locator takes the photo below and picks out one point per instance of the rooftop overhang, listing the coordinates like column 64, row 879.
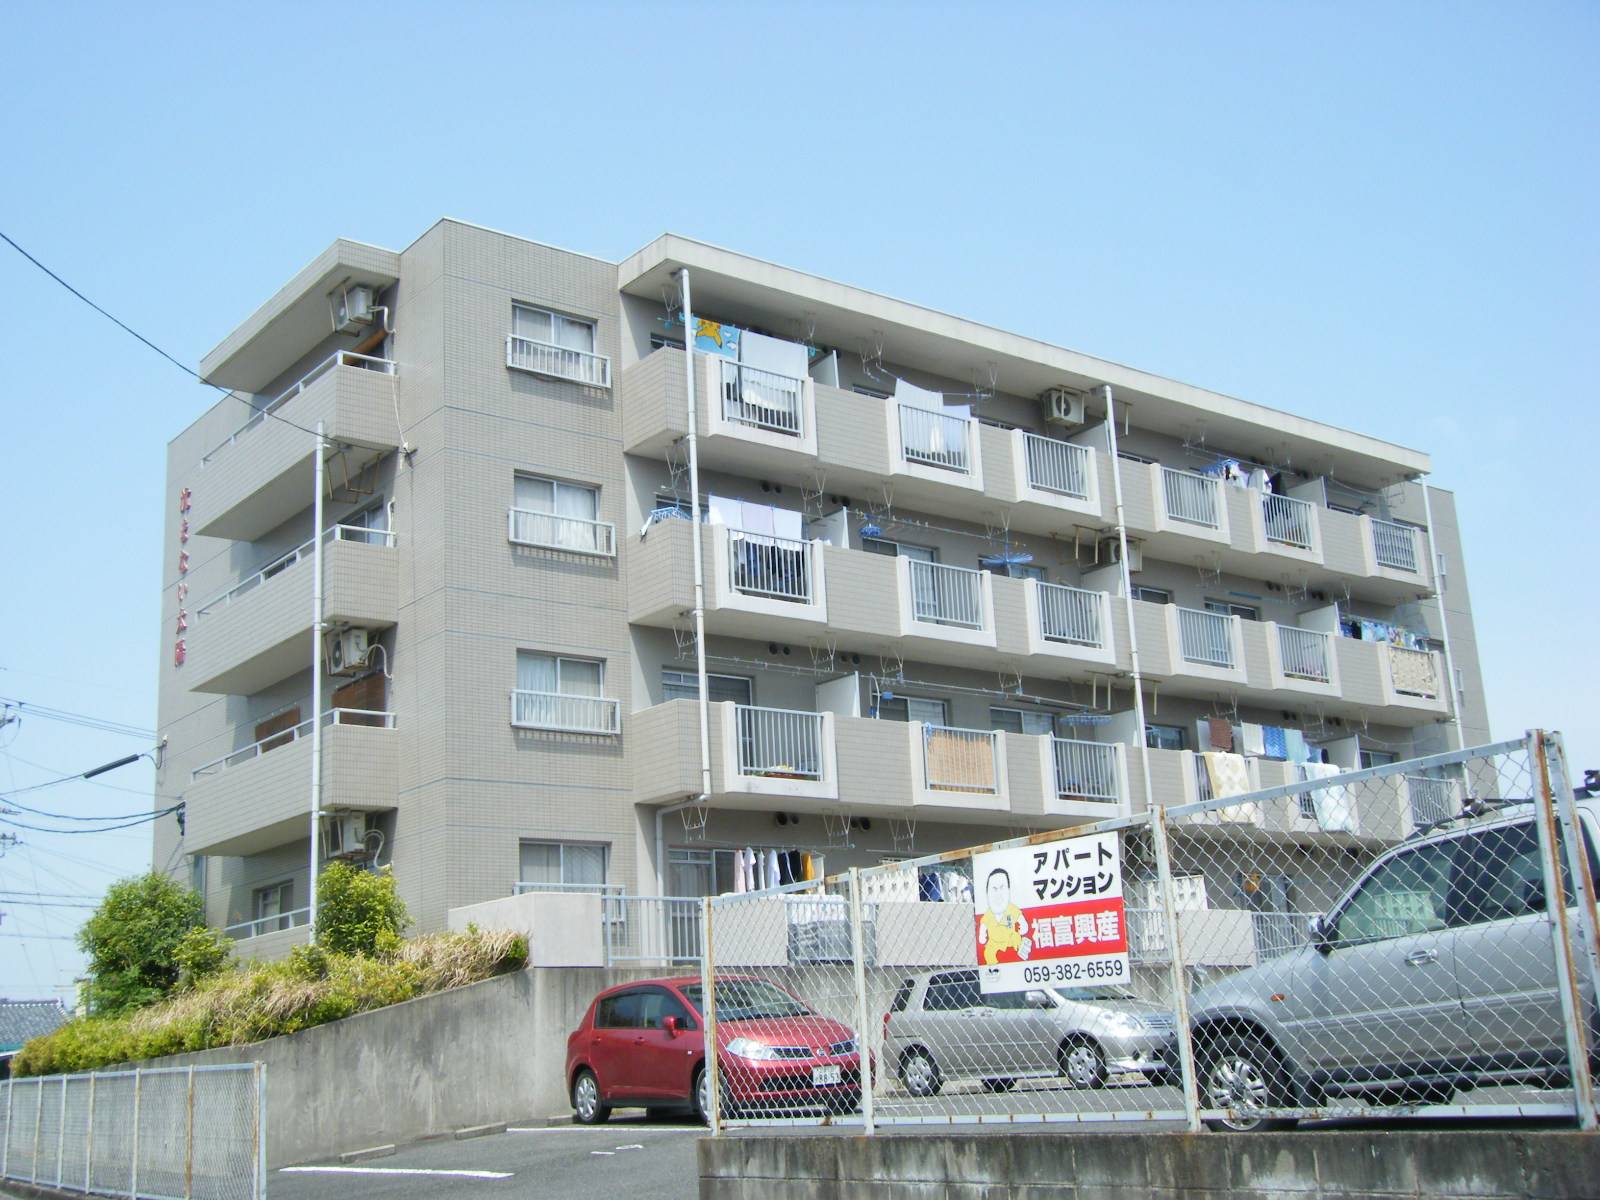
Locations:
column 296, row 318
column 793, row 303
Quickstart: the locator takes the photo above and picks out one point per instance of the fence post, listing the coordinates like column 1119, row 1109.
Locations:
column 1180, row 996
column 61, row 1131
column 1573, row 1010
column 133, row 1176
column 5, row 1149
column 708, row 985
column 188, row 1141
column 863, row 1037
column 38, row 1120
column 88, row 1143
column 260, row 1180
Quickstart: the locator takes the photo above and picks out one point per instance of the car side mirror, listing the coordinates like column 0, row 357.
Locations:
column 671, row 1026
column 1533, row 898
column 1036, row 999
column 1321, row 930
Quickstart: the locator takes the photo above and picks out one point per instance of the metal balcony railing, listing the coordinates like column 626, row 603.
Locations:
column 935, row 439
column 341, row 358
column 947, row 595
column 1431, row 800
column 1086, row 771
column 1069, row 614
column 1288, row 521
column 762, row 399
column 1195, row 499
column 762, row 565
column 529, row 527
column 1305, row 653
column 1394, row 545
column 1205, row 637
column 547, row 358
column 1061, row 467
column 365, row 717
column 295, row 918
column 960, row 760
column 563, row 713
column 338, row 533
column 779, row 743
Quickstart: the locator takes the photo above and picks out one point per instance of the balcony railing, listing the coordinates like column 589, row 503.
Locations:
column 566, row 714
column 295, row 918
column 1069, row 614
column 547, row 358
column 1394, row 545
column 947, row 595
column 1205, row 637
column 338, row 533
column 368, row 718
column 1431, row 800
column 652, row 929
column 529, row 527
column 935, row 439
column 762, row 399
column 1412, row 672
column 959, row 760
column 1305, row 653
column 341, row 358
column 762, row 565
column 1195, row 499
column 1288, row 521
column 1061, row 467
column 1086, row 771
column 779, row 743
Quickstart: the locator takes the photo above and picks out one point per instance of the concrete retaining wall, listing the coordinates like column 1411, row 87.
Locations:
column 1364, row 1165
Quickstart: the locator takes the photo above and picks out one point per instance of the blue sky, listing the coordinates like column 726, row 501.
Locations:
column 1377, row 215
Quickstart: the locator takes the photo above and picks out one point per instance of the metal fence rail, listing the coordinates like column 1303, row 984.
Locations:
column 763, row 399
column 1205, row 637
column 1394, row 545
column 935, row 439
column 1061, row 467
column 946, row 595
column 1193, row 498
column 1069, row 614
column 760, row 564
column 192, row 1132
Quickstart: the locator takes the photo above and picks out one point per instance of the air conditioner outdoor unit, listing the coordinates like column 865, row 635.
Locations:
column 352, row 307
column 347, row 651
column 344, row 834
column 1111, row 552
column 1061, row 406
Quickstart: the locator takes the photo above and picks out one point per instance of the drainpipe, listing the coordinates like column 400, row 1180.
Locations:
column 316, row 681
column 1127, row 596
column 1451, row 690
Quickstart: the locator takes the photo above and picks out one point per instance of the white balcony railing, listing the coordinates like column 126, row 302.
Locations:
column 1288, row 521
column 1305, row 653
column 1394, row 545
column 946, row 595
column 1205, row 637
column 338, row 533
column 779, row 743
column 762, row 565
column 935, row 439
column 528, row 527
column 959, row 760
column 1431, row 800
column 1086, row 771
column 341, row 358
column 1069, row 614
column 564, row 713
column 1061, row 467
column 762, row 399
column 295, row 918
column 1412, row 672
column 1195, row 499
column 366, row 717
column 546, row 358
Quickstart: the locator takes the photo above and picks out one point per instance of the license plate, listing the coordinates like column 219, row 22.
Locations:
column 826, row 1075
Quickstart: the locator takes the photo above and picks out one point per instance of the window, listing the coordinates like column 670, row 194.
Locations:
column 656, row 1005
column 1130, row 456
column 368, row 525
column 1405, row 896
column 621, row 1011
column 1152, row 595
column 1506, row 878
column 902, row 997
column 899, row 549
column 682, row 685
column 197, row 873
column 1164, row 737
column 540, row 325
column 274, row 901
column 1013, row 570
column 566, row 865
column 562, row 693
column 911, row 708
column 1022, row 720
column 660, row 341
column 862, row 389
column 953, row 992
column 566, row 516
column 680, row 505
column 1378, row 758
column 1229, row 609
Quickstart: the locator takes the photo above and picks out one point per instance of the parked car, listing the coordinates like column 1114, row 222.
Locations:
column 1434, row 972
column 643, row 1045
column 940, row 1027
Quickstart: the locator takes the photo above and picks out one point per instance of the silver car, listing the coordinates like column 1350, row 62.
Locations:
column 940, row 1028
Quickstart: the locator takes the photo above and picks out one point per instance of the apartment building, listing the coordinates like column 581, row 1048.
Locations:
column 932, row 569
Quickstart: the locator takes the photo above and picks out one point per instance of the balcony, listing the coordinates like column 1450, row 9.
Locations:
column 1289, row 522
column 1091, row 778
column 263, row 473
column 258, row 632
column 1376, row 675
column 1207, row 642
column 944, row 595
column 560, row 712
column 758, row 755
column 1301, row 660
column 1064, row 623
column 1191, row 499
column 1394, row 546
column 258, row 797
column 762, row 399
column 548, row 531
column 557, row 362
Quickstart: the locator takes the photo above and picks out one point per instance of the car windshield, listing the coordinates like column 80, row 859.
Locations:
column 1093, row 993
column 748, row 1000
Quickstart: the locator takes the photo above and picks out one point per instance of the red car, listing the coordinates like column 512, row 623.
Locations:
column 642, row 1045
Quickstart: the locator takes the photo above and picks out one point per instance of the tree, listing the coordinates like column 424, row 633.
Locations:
column 358, row 912
column 132, row 941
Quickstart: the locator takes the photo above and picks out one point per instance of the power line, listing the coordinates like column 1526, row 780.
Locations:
column 144, row 820
column 104, row 725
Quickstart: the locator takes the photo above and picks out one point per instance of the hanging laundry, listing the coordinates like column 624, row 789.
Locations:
column 1273, row 742
column 1254, row 740
column 1295, row 743
column 1228, row 774
column 808, row 870
column 772, row 868
column 1221, row 733
column 738, row 872
column 929, row 886
column 1335, row 808
column 712, row 337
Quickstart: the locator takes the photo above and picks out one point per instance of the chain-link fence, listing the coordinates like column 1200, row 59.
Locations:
column 1398, row 939
column 169, row 1132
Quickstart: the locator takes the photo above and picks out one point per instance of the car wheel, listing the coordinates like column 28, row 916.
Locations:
column 999, row 1085
column 1082, row 1063
column 919, row 1073
column 586, row 1103
column 1244, row 1074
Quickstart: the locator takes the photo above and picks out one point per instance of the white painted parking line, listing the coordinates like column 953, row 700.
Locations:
column 394, row 1171
column 646, row 1129
column 604, row 1153
column 633, row 1146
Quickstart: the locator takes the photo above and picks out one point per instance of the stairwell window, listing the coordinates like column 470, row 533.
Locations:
column 555, row 692
column 562, row 516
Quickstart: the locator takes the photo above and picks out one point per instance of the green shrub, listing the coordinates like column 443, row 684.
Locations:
column 201, row 953
column 359, row 912
column 132, row 939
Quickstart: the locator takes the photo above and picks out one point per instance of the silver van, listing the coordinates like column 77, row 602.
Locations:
column 940, row 1028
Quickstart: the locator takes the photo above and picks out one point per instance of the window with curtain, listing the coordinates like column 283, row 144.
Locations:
column 564, row 515
column 554, row 692
column 912, row 708
column 682, row 685
column 563, row 864
column 553, row 329
column 1021, row 720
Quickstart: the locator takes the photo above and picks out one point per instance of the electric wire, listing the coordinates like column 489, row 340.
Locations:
column 105, row 725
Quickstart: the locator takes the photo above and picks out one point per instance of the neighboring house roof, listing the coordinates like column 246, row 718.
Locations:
column 22, row 1020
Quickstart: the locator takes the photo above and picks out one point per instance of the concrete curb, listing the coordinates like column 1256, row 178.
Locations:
column 473, row 1131
column 354, row 1156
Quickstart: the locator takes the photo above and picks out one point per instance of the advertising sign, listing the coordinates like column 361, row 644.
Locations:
column 1051, row 915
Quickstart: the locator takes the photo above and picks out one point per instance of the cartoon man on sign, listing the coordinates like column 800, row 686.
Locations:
column 1003, row 929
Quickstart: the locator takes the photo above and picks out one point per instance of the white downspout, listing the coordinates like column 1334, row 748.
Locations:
column 316, row 683
column 1127, row 597
column 1451, row 690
